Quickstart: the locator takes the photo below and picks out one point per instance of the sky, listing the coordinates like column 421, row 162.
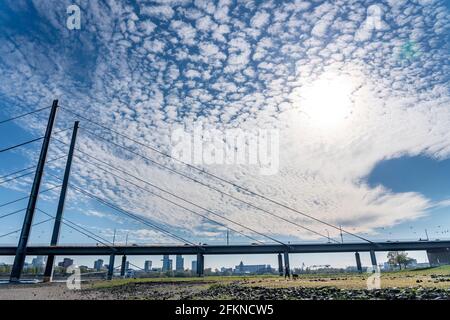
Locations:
column 357, row 93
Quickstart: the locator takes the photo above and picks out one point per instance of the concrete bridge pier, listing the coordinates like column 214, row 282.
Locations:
column 287, row 267
column 111, row 267
column 200, row 264
column 358, row 262
column 280, row 265
column 123, row 266
column 373, row 259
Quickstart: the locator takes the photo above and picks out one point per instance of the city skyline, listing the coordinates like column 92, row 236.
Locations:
column 296, row 260
column 360, row 110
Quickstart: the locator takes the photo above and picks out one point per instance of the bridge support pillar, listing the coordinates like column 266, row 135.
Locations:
column 111, row 267
column 21, row 250
column 200, row 264
column 48, row 273
column 287, row 271
column 358, row 262
column 373, row 259
column 123, row 266
column 280, row 265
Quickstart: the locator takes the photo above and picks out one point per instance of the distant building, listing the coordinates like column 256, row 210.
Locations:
column 67, row 262
column 226, row 270
column 257, row 268
column 98, row 264
column 167, row 263
column 412, row 264
column 347, row 269
column 127, row 265
column 84, row 267
column 38, row 262
column 437, row 257
column 147, row 266
column 194, row 266
column 179, row 265
column 387, row 266
column 422, row 265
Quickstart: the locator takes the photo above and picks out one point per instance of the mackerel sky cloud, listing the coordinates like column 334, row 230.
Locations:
column 347, row 84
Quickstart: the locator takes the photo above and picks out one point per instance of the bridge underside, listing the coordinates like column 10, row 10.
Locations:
column 61, row 250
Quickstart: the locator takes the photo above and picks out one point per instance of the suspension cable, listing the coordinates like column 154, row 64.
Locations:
column 203, row 171
column 12, row 213
column 26, row 197
column 31, row 167
column 197, row 181
column 19, row 230
column 66, row 222
column 205, row 209
column 21, row 144
column 127, row 213
column 23, row 115
column 16, row 177
column 170, row 201
column 16, row 172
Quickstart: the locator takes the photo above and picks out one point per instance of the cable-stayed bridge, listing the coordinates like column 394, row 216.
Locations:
column 260, row 243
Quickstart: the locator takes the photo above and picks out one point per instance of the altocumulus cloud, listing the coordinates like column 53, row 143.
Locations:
column 145, row 67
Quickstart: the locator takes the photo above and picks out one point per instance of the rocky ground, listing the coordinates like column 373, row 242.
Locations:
column 425, row 284
column 205, row 290
column 237, row 292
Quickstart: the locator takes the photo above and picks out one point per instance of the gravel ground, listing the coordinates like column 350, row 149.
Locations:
column 40, row 291
column 238, row 292
column 204, row 290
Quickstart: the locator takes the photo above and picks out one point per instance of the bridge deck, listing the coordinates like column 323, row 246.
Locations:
column 63, row 250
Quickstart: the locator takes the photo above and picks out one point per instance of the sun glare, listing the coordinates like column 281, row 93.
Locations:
column 327, row 100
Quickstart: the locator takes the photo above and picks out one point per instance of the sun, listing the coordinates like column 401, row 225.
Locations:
column 327, row 101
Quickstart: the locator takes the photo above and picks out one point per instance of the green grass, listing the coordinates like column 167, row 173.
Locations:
column 442, row 270
column 205, row 279
column 401, row 278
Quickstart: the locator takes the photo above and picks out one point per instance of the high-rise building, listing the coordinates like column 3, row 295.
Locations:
column 98, row 264
column 179, row 263
column 38, row 262
column 257, row 268
column 194, row 266
column 148, row 266
column 167, row 263
column 67, row 262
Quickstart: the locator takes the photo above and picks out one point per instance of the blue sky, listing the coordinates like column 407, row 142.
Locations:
column 357, row 91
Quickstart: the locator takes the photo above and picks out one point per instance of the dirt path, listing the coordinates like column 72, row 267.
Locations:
column 41, row 291
column 202, row 290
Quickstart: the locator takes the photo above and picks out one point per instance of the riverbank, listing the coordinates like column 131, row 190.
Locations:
column 426, row 284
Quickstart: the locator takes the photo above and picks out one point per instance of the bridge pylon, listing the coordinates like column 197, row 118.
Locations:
column 280, row 265
column 21, row 251
column 373, row 259
column 48, row 273
column 358, row 262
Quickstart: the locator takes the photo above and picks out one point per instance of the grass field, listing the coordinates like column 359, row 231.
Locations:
column 438, row 277
column 430, row 284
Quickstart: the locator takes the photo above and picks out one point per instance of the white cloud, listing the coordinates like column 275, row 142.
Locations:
column 260, row 19
column 165, row 12
column 185, row 31
column 143, row 72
